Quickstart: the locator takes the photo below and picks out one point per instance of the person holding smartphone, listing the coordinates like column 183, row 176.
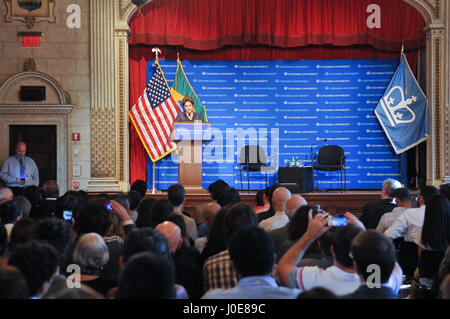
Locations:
column 19, row 171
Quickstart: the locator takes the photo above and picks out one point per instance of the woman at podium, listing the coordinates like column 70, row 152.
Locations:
column 188, row 115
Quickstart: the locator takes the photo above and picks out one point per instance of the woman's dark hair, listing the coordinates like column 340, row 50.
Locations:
column 229, row 196
column 135, row 199
column 161, row 209
column 145, row 212
column 299, row 223
column 216, row 238
column 436, row 224
column 216, row 188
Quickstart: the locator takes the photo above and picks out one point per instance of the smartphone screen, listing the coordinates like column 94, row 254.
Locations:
column 109, row 206
column 67, row 215
column 337, row 221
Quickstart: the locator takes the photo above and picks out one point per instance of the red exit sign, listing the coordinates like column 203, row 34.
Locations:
column 30, row 40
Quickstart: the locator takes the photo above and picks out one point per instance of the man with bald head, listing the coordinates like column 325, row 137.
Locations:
column 187, row 274
column 5, row 195
column 173, row 234
column 279, row 198
column 19, row 171
column 279, row 235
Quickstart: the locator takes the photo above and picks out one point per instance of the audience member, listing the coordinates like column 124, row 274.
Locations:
column 271, row 211
column 209, row 214
column 252, row 254
column 176, row 195
column 38, row 263
column 91, row 254
column 218, row 271
column 147, row 276
column 185, row 250
column 22, row 232
column 41, row 210
column 50, row 193
column 24, row 205
column 339, row 278
column 326, row 259
column 159, row 212
column 149, row 240
column 229, row 196
column 279, row 198
column 262, row 203
column 12, row 283
column 144, row 213
column 9, row 215
column 215, row 242
column 188, row 273
column 279, row 235
column 33, row 194
column 296, row 229
column 372, row 211
column 6, row 195
column 135, row 199
column 94, row 217
column 140, row 186
column 372, row 248
column 55, row 232
column 407, row 225
column 433, row 238
column 402, row 197
column 217, row 188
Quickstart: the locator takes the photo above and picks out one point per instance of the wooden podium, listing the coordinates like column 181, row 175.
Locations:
column 190, row 137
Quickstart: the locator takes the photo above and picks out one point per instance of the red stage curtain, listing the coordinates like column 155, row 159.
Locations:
column 213, row 24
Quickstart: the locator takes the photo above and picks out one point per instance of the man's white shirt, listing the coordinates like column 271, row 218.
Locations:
column 408, row 224
column 280, row 219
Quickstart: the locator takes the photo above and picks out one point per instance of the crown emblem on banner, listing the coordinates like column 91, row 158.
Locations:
column 398, row 108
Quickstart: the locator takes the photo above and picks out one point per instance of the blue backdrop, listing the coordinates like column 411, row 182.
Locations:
column 289, row 107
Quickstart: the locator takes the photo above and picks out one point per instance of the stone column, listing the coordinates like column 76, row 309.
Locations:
column 436, row 144
column 447, row 93
column 104, row 161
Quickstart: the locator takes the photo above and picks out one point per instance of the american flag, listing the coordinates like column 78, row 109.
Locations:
column 153, row 116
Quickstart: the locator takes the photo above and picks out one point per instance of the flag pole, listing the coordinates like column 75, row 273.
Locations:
column 157, row 51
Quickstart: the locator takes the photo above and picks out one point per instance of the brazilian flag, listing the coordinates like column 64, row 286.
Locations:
column 181, row 88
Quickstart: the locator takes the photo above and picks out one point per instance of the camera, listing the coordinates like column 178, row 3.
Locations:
column 337, row 221
column 67, row 215
column 109, row 206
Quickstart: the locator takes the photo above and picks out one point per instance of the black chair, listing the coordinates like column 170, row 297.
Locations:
column 331, row 158
column 252, row 158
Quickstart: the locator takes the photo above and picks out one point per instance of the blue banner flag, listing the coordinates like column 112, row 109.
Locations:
column 403, row 110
